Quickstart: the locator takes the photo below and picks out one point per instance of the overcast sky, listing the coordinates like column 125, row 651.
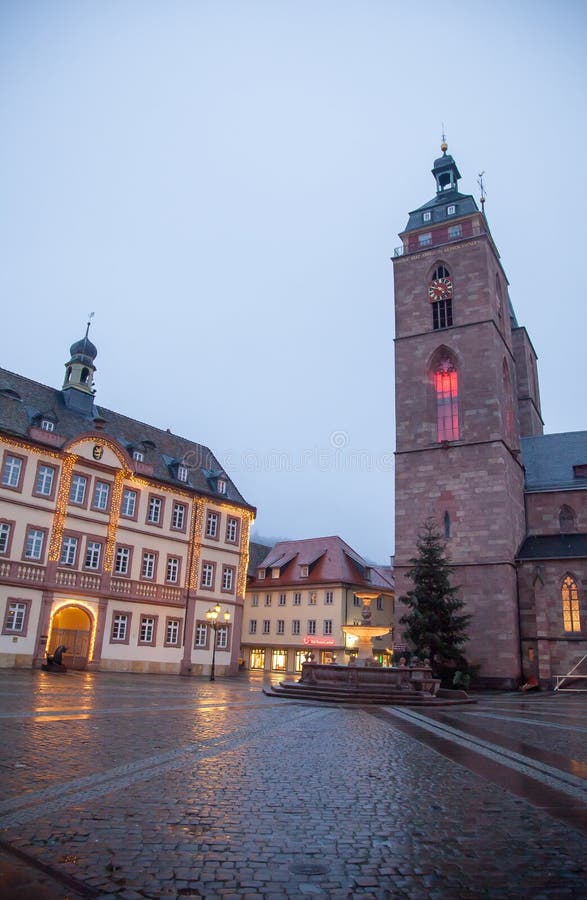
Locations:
column 223, row 183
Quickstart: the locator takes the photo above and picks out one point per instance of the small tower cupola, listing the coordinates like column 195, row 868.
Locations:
column 78, row 386
column 445, row 172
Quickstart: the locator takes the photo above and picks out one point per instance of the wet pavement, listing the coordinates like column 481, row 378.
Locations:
column 137, row 786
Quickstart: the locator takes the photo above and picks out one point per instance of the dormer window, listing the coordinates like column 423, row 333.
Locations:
column 138, row 456
column 427, row 217
column 304, row 571
column 221, row 487
column 275, row 572
column 261, row 574
column 580, row 471
column 451, row 210
column 47, row 425
column 182, row 473
column 367, row 573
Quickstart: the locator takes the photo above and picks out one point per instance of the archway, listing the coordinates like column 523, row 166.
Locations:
column 72, row 627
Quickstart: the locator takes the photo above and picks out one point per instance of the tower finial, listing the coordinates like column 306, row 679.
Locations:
column 482, row 189
column 90, row 317
column 443, row 145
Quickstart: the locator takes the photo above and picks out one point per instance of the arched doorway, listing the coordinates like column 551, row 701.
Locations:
column 72, row 627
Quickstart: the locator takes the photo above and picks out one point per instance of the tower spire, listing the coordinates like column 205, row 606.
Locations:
column 482, row 189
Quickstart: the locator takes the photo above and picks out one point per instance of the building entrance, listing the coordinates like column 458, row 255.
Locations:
column 71, row 627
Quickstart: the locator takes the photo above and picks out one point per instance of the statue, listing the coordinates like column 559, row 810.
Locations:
column 54, row 661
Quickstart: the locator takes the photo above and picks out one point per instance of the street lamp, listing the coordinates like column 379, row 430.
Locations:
column 212, row 617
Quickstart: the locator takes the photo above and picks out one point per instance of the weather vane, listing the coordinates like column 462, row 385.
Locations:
column 482, row 189
column 443, row 145
column 90, row 317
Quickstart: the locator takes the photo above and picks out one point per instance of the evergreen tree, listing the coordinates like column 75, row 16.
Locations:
column 435, row 624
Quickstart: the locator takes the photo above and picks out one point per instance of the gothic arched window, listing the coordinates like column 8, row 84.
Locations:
column 440, row 296
column 446, row 387
column 566, row 519
column 570, row 600
column 446, row 525
column 509, row 415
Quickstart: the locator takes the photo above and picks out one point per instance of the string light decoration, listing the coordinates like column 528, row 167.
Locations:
column 117, row 489
column 93, row 623
column 61, row 508
column 196, row 527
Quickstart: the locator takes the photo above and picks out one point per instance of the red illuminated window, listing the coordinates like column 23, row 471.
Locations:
column 570, row 598
column 447, row 394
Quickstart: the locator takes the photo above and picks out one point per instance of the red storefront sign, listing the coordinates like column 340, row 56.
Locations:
column 320, row 641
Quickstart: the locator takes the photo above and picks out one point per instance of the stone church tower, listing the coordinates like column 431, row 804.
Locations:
column 466, row 392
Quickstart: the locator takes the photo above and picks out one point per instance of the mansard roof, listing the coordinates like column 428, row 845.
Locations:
column 329, row 559
column 163, row 451
column 554, row 461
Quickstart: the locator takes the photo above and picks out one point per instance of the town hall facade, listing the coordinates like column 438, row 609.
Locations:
column 510, row 501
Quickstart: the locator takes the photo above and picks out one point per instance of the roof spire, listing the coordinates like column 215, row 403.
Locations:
column 90, row 317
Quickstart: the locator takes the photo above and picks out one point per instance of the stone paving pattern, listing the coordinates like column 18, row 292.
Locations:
column 163, row 787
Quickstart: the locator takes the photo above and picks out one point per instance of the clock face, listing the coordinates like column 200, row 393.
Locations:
column 440, row 289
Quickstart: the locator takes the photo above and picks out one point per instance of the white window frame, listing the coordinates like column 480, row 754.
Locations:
column 328, row 598
column 212, row 519
column 427, row 216
column 148, row 565
column 5, row 531
column 122, row 561
column 311, row 626
column 77, row 491
column 12, row 471
column 253, row 626
column 35, row 539
column 227, row 578
column 155, row 510
column 147, row 630
column 231, row 530
column 172, row 632
column 222, row 637
column 182, row 473
column 178, row 516
column 120, row 627
column 44, row 480
column 451, row 210
column 297, row 598
column 296, row 626
column 208, row 575
column 16, row 617
column 128, row 505
column 327, row 626
column 138, row 456
column 47, row 425
column 172, row 574
column 93, row 555
column 266, row 626
column 201, row 638
column 69, row 546
column 280, row 626
column 101, row 495
column 255, row 600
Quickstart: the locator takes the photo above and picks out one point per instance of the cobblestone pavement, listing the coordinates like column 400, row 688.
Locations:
column 136, row 786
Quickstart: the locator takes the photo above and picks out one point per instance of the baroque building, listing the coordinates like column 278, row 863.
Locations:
column 301, row 593
column 116, row 537
column 470, row 449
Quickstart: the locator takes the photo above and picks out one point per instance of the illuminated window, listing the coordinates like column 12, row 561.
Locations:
column 257, row 658
column 312, row 598
column 566, row 519
column 447, row 394
column 570, row 599
column 279, row 660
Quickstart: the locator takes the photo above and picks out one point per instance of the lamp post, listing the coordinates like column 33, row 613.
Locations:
column 212, row 617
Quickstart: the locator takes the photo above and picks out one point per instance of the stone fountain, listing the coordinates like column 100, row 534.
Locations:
column 364, row 633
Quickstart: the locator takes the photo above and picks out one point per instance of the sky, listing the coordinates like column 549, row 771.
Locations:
column 223, row 183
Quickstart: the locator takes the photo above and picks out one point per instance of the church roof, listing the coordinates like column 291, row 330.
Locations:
column 555, row 461
column 554, row 546
column 465, row 205
column 23, row 403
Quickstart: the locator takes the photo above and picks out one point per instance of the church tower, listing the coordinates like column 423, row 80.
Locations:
column 465, row 393
column 78, row 386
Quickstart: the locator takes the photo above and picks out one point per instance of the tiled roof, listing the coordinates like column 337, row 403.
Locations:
column 24, row 402
column 554, row 546
column 549, row 459
column 329, row 559
column 257, row 553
